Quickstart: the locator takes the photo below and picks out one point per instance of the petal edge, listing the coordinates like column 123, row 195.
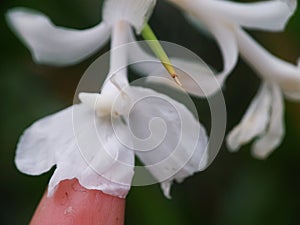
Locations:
column 53, row 45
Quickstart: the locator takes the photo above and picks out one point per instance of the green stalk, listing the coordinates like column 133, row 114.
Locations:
column 158, row 50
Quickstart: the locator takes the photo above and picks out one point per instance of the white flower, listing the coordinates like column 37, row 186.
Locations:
column 54, row 45
column 263, row 120
column 86, row 145
column 224, row 19
column 96, row 140
column 60, row 46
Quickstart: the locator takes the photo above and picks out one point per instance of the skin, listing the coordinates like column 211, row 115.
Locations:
column 72, row 204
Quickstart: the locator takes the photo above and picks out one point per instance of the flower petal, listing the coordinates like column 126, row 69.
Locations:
column 194, row 74
column 136, row 12
column 54, row 45
column 166, row 136
column 42, row 142
column 271, row 68
column 226, row 40
column 109, row 164
column 196, row 77
column 97, row 159
column 273, row 136
column 267, row 15
column 254, row 122
column 74, row 140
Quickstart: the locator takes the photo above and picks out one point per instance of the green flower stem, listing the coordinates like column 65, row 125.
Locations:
column 158, row 50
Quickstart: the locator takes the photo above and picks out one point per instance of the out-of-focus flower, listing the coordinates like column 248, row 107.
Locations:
column 61, row 46
column 280, row 79
column 224, row 19
column 264, row 120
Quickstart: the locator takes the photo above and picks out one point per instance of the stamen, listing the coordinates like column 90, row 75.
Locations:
column 158, row 50
column 177, row 80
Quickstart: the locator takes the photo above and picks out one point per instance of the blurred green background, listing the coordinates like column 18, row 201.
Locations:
column 236, row 189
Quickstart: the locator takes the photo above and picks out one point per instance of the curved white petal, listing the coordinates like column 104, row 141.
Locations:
column 167, row 137
column 254, row 122
column 293, row 95
column 42, row 142
column 53, row 45
column 273, row 136
column 198, row 162
column 136, row 12
column 228, row 45
column 271, row 68
column 267, row 15
column 225, row 37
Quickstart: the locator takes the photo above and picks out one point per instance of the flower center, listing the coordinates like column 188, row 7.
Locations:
column 109, row 103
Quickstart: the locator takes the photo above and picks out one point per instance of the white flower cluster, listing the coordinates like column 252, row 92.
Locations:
column 83, row 141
